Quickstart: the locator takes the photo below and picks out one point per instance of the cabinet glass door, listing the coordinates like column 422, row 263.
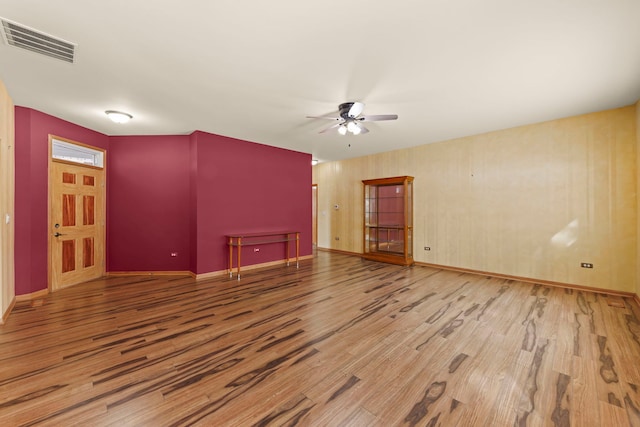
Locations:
column 387, row 223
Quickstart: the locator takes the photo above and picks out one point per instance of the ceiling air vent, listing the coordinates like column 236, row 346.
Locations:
column 36, row 41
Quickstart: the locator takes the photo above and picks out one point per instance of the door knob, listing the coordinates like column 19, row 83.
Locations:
column 56, row 234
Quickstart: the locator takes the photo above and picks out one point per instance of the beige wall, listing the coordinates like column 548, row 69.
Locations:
column 533, row 201
column 7, row 185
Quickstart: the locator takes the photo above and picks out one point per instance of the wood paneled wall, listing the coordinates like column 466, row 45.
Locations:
column 533, row 201
column 7, row 202
column 638, row 194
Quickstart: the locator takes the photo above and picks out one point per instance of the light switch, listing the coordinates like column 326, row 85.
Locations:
column 7, row 218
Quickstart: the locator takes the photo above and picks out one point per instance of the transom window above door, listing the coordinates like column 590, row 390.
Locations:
column 62, row 150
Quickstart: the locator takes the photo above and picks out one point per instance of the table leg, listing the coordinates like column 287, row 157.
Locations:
column 230, row 257
column 287, row 249
column 239, row 250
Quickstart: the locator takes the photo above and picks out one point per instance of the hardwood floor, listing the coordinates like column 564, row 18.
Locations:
column 338, row 342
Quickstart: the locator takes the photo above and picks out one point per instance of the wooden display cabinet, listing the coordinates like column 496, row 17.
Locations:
column 388, row 220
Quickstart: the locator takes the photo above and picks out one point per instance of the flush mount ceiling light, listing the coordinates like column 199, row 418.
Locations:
column 118, row 116
column 314, row 162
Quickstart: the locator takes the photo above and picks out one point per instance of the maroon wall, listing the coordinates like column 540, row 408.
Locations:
column 164, row 194
column 149, row 204
column 193, row 202
column 184, row 193
column 245, row 187
column 32, row 156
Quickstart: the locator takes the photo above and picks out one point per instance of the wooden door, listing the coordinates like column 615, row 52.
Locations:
column 76, row 224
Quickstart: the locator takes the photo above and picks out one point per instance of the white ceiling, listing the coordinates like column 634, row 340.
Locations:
column 254, row 69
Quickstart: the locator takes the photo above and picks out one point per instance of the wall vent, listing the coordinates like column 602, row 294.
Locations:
column 18, row 35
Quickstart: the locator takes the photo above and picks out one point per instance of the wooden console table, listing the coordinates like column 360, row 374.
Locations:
column 252, row 239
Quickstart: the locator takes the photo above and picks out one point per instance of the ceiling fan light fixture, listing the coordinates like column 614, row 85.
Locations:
column 350, row 119
column 118, row 116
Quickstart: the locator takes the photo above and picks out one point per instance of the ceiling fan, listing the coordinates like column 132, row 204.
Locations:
column 350, row 119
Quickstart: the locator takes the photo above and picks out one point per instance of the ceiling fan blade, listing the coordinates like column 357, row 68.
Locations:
column 330, row 128
column 324, row 117
column 378, row 117
column 356, row 109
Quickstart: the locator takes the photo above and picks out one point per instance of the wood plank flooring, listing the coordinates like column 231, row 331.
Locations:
column 338, row 342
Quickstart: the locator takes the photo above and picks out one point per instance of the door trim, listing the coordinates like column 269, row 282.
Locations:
column 314, row 213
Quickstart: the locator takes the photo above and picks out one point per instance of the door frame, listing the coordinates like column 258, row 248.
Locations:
column 314, row 213
column 103, row 207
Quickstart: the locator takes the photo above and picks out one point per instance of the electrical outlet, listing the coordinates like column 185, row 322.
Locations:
column 427, row 248
column 586, row 265
column 174, row 254
column 256, row 249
